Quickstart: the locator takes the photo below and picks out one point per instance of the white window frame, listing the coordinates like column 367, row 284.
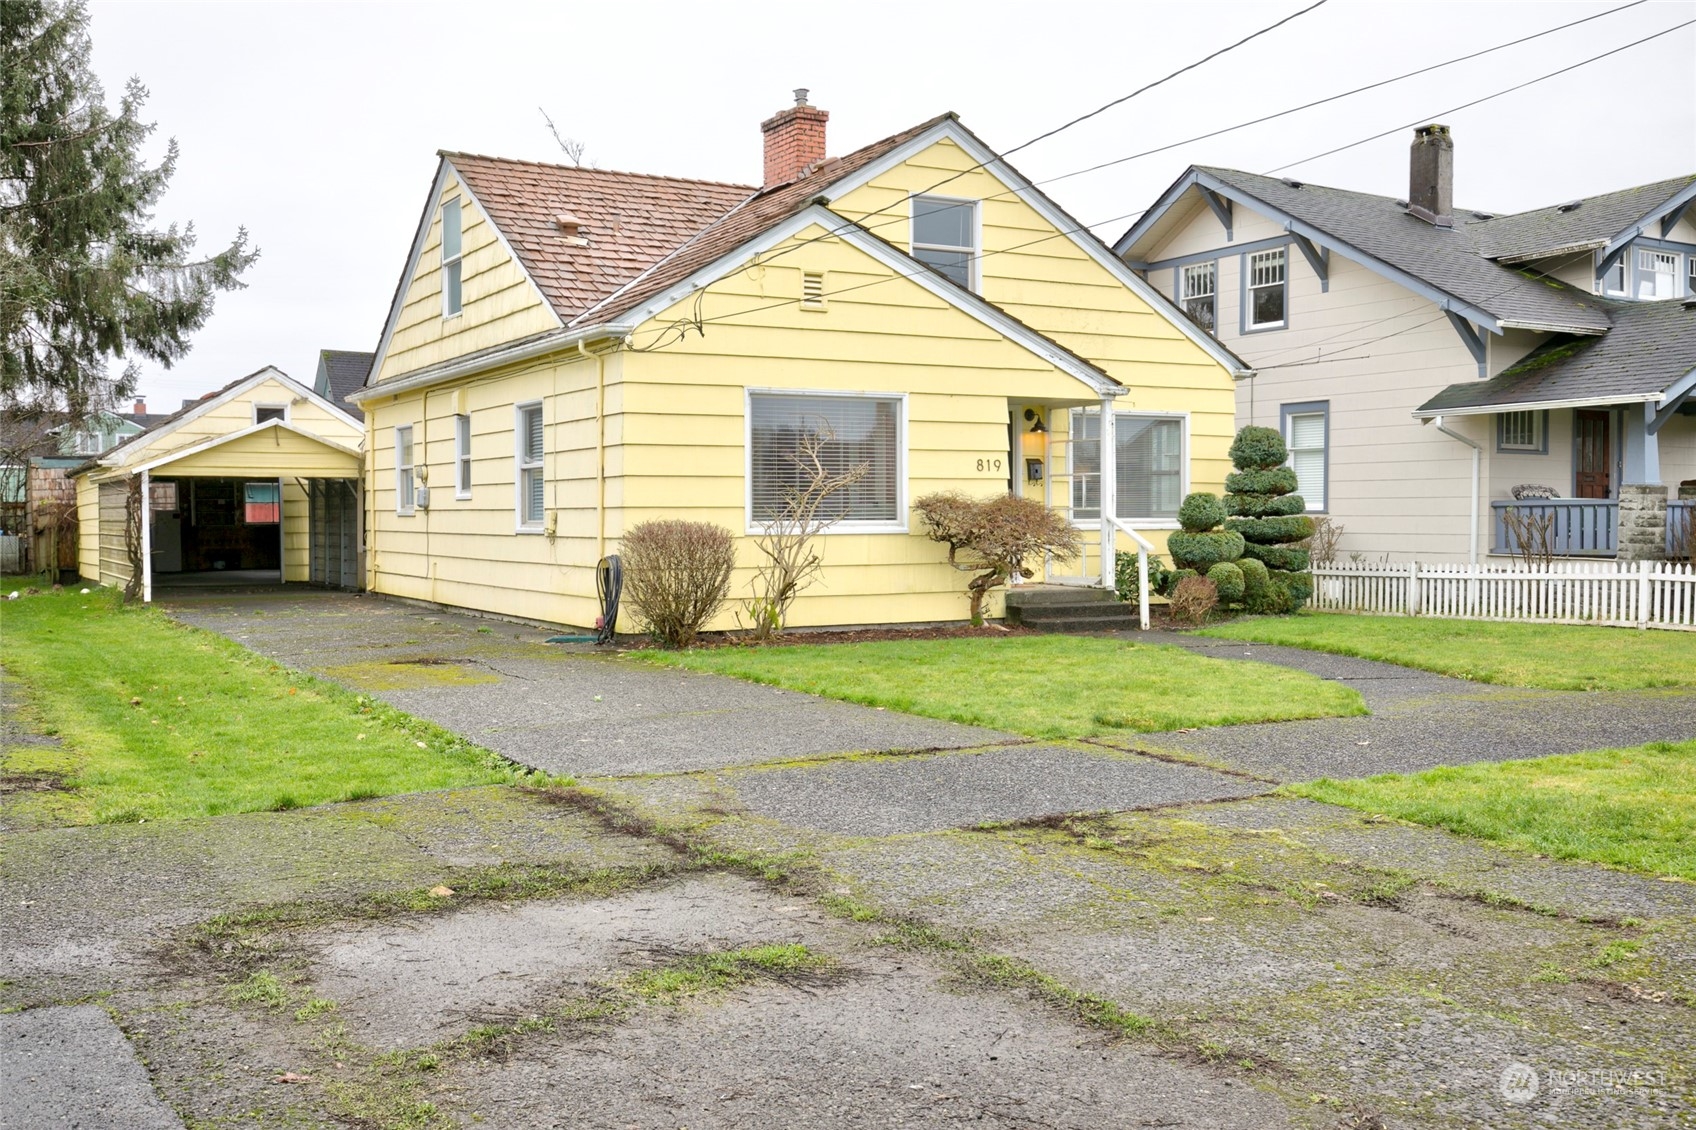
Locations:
column 1290, row 413
column 1141, row 522
column 258, row 407
column 462, row 455
column 846, row 525
column 1249, row 287
column 455, row 261
column 1185, row 296
column 1654, row 255
column 406, row 483
column 974, row 254
column 1622, row 268
column 1539, row 442
column 520, row 466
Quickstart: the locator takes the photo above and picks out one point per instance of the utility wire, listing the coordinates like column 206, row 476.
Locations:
column 1232, row 128
column 699, row 323
column 952, row 177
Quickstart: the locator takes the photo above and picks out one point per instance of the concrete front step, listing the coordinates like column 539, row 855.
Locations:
column 1081, row 623
column 1026, row 596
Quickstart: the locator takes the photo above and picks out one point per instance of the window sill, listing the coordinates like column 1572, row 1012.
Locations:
column 1137, row 523
column 1270, row 327
column 405, row 513
column 461, row 497
column 530, row 530
column 841, row 528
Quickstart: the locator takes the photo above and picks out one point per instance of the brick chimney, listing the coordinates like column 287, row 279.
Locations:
column 1431, row 176
column 140, row 406
column 794, row 141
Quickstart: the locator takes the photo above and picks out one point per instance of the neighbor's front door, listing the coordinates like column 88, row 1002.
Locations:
column 1591, row 472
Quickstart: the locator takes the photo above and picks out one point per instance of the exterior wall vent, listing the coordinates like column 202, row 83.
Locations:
column 812, row 289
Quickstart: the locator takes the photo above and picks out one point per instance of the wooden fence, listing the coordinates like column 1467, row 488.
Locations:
column 1643, row 594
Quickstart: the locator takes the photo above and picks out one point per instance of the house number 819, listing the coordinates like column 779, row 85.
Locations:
column 989, row 464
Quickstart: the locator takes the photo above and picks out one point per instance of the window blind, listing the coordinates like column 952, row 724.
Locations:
column 855, row 430
column 1307, row 457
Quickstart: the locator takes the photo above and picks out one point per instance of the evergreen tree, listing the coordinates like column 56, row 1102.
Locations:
column 84, row 277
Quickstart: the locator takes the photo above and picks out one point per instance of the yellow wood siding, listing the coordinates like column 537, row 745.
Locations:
column 233, row 416
column 88, row 528
column 266, row 454
column 499, row 303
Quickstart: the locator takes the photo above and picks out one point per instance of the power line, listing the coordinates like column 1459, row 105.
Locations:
column 951, row 178
column 699, row 323
column 1227, row 129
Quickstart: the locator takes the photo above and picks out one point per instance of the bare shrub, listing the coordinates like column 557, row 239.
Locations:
column 786, row 540
column 1193, row 600
column 1327, row 537
column 994, row 537
column 676, row 575
column 1532, row 535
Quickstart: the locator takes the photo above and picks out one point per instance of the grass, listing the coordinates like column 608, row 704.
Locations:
column 159, row 721
column 1633, row 809
column 1042, row 686
column 716, row 972
column 1560, row 657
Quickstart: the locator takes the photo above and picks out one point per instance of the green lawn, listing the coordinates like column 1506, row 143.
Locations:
column 1630, row 808
column 161, row 721
column 1043, row 686
column 1552, row 656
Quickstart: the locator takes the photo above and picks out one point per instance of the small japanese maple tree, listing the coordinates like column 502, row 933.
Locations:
column 993, row 538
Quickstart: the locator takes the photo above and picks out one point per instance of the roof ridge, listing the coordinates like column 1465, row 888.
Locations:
column 1680, row 180
column 450, row 154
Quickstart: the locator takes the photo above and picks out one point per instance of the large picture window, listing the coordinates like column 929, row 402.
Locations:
column 532, row 483
column 1267, row 294
column 1197, row 284
column 853, row 430
column 1149, row 467
column 945, row 236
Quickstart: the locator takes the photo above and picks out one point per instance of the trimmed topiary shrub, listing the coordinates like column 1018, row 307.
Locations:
column 1268, row 514
column 1200, row 545
column 1200, row 512
column 1228, row 579
column 1175, row 578
column 1256, row 580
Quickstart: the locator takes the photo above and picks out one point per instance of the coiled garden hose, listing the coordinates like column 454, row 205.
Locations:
column 609, row 583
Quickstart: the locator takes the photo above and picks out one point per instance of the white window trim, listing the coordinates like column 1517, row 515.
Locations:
column 1249, row 287
column 462, row 457
column 1183, row 471
column 288, row 413
column 1539, row 444
column 974, row 253
column 845, row 526
column 409, row 469
column 459, row 202
column 1185, row 296
column 519, row 467
column 1655, row 254
column 1623, row 266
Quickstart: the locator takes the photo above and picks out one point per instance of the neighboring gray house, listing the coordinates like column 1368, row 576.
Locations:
column 341, row 372
column 1424, row 360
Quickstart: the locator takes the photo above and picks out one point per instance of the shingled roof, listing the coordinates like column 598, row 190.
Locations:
column 1651, row 345
column 1579, row 225
column 343, row 371
column 1446, row 258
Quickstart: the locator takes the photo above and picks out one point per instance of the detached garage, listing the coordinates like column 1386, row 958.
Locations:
column 258, row 483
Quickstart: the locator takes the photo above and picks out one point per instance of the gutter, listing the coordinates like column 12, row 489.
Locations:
column 1472, row 510
column 552, row 342
column 1542, row 405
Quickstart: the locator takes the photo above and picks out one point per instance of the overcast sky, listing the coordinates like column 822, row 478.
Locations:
column 317, row 125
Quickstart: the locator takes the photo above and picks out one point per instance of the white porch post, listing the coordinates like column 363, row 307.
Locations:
column 146, row 538
column 1109, row 487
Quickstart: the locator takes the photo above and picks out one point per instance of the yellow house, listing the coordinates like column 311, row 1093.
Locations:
column 257, row 482
column 572, row 351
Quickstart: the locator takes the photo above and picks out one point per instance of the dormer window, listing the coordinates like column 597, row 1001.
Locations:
column 945, row 236
column 1613, row 280
column 452, row 300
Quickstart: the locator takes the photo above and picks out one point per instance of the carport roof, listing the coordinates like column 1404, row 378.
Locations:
column 271, row 449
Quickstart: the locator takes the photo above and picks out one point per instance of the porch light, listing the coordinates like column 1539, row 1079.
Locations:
column 1037, row 426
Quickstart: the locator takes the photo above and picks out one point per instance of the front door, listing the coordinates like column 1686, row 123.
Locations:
column 1591, row 474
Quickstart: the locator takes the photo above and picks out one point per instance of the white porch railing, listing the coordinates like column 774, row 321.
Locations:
column 1144, row 548
column 1644, row 594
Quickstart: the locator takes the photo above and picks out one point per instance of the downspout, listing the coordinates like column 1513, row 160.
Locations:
column 1477, row 454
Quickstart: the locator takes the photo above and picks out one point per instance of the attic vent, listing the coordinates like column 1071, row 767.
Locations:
column 1401, row 204
column 1569, row 206
column 1293, row 183
column 812, row 289
column 1483, row 215
column 571, row 228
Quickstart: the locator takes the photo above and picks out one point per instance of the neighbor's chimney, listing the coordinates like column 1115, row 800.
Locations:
column 140, row 406
column 1431, row 176
column 794, row 140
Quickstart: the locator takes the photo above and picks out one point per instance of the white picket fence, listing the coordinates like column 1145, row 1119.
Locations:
column 1643, row 594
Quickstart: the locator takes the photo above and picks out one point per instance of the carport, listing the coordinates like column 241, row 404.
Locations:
column 241, row 508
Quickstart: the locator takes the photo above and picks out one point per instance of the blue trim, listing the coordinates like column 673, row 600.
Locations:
column 1672, row 399
column 1670, row 220
column 1221, row 209
column 1469, row 337
column 1309, row 408
column 1291, row 224
column 1243, row 327
column 1204, row 256
column 1678, row 201
column 1501, row 421
column 1664, row 244
column 1318, row 258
